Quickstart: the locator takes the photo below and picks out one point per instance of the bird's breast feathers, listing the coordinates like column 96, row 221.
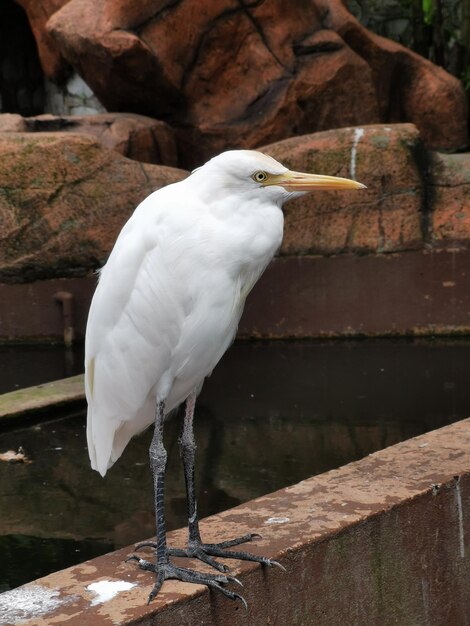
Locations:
column 174, row 287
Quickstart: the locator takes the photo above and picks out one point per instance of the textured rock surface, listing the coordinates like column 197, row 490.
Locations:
column 387, row 217
column 63, row 200
column 450, row 197
column 243, row 74
column 38, row 12
column 134, row 136
column 63, row 197
column 415, row 199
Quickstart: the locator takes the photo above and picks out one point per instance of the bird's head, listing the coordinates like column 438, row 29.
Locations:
column 253, row 173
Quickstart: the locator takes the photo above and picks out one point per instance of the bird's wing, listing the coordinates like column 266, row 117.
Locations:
column 133, row 324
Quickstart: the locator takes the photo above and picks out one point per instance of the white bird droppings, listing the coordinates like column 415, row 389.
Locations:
column 107, row 589
column 29, row 601
column 358, row 133
column 458, row 502
column 277, row 520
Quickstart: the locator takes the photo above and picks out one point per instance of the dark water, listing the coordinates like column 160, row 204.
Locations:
column 28, row 365
column 272, row 414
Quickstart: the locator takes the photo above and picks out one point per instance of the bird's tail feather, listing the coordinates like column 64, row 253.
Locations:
column 100, row 443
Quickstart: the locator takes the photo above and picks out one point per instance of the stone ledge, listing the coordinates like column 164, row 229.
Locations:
column 381, row 541
column 56, row 394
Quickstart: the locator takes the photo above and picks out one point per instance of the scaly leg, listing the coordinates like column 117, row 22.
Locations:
column 196, row 548
column 162, row 566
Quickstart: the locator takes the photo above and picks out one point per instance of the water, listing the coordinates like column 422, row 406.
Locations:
column 272, row 414
column 29, row 365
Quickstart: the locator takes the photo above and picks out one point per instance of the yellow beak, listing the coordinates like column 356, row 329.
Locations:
column 298, row 181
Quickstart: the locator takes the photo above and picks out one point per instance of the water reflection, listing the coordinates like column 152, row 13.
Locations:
column 29, row 365
column 271, row 415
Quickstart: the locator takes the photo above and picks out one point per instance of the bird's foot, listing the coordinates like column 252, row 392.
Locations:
column 206, row 551
column 164, row 571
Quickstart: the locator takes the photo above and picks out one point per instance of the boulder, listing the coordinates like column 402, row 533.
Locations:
column 238, row 74
column 415, row 198
column 135, row 136
column 63, row 200
column 449, row 197
column 38, row 12
column 387, row 217
column 64, row 197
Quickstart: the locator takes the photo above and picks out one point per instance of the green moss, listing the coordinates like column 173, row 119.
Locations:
column 68, row 224
column 380, row 141
column 19, row 402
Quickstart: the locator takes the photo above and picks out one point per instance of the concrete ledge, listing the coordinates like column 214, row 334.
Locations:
column 49, row 396
column 382, row 541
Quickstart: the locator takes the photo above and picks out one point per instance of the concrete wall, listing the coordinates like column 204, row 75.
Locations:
column 412, row 293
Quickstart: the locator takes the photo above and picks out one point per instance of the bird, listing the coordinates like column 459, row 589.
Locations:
column 166, row 308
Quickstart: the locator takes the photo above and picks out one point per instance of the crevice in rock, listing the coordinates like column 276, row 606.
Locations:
column 246, row 9
column 322, row 47
column 210, row 26
column 265, row 100
column 423, row 161
column 136, row 29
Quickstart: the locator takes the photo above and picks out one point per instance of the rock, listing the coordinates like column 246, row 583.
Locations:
column 386, row 217
column 235, row 74
column 409, row 87
column 63, row 200
column 450, row 199
column 135, row 136
column 39, row 11
column 12, row 123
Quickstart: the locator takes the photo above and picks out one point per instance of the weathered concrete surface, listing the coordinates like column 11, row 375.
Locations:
column 412, row 293
column 381, row 541
column 30, row 310
column 57, row 394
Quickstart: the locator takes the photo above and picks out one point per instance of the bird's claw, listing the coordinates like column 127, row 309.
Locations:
column 164, row 571
column 145, row 544
column 206, row 551
column 132, row 557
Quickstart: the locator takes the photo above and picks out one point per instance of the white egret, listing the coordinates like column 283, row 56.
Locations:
column 165, row 310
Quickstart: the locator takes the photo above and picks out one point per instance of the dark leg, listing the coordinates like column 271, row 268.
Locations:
column 162, row 566
column 196, row 548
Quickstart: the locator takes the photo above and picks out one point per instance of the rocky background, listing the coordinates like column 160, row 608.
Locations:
column 184, row 80
column 438, row 30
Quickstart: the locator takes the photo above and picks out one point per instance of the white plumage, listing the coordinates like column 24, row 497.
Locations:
column 166, row 308
column 170, row 296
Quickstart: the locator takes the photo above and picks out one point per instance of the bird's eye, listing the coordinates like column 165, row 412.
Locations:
column 259, row 177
